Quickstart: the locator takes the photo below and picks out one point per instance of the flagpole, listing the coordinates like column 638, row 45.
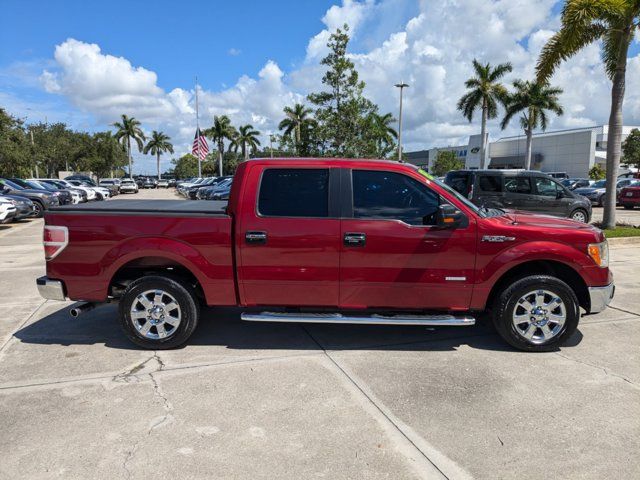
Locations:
column 198, row 131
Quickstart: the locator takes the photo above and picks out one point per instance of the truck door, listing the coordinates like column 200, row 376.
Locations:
column 393, row 254
column 288, row 237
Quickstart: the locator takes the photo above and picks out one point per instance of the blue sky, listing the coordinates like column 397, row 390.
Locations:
column 86, row 62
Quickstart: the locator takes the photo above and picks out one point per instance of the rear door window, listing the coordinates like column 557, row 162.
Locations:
column 517, row 185
column 294, row 192
column 459, row 181
column 490, row 183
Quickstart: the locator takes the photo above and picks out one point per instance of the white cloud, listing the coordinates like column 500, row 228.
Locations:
column 234, row 52
column 432, row 51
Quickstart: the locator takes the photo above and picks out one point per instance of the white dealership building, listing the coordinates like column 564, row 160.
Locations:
column 572, row 151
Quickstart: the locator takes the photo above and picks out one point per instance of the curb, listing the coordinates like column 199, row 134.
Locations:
column 620, row 241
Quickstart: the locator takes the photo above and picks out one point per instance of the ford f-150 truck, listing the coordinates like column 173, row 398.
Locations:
column 328, row 240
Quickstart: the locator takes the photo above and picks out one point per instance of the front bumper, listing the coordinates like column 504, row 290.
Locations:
column 50, row 289
column 601, row 297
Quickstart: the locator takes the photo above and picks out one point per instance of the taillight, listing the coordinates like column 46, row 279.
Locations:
column 55, row 239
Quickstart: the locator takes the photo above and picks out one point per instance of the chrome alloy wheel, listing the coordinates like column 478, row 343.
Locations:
column 579, row 216
column 539, row 316
column 155, row 314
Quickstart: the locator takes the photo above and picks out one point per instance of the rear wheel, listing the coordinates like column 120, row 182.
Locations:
column 601, row 201
column 159, row 312
column 580, row 215
column 628, row 207
column 536, row 313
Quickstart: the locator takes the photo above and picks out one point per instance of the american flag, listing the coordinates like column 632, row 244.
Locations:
column 200, row 147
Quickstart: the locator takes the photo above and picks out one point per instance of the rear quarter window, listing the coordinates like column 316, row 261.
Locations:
column 490, row 183
column 459, row 181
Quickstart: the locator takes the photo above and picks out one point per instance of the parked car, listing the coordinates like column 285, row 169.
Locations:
column 573, row 183
column 523, row 190
column 183, row 186
column 191, row 192
column 25, row 208
column 148, row 183
column 7, row 210
column 222, row 190
column 64, row 196
column 101, row 192
column 76, row 196
column 128, row 186
column 596, row 192
column 206, row 192
column 83, row 196
column 91, row 192
column 172, row 182
column 111, row 185
column 629, row 196
column 328, row 240
column 42, row 199
column 162, row 183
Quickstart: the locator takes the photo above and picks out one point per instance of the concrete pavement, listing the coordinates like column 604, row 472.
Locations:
column 290, row 401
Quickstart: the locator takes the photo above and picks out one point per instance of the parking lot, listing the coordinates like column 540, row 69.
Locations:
column 291, row 401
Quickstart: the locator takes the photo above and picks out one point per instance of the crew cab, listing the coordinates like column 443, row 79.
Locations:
column 328, row 240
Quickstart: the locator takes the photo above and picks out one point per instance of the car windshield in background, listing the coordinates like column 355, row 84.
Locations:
column 599, row 184
column 10, row 184
column 463, row 199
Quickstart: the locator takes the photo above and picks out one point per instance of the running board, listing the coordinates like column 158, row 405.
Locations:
column 424, row 320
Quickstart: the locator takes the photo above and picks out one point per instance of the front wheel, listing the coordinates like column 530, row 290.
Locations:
column 159, row 312
column 579, row 215
column 39, row 209
column 536, row 313
column 628, row 207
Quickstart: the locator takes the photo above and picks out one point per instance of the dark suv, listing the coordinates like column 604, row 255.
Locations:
column 520, row 190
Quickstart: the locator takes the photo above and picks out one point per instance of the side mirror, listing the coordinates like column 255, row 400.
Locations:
column 449, row 216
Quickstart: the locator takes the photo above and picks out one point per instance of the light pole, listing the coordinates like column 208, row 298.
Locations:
column 401, row 86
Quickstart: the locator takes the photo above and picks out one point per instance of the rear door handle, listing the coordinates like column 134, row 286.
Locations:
column 355, row 239
column 256, row 238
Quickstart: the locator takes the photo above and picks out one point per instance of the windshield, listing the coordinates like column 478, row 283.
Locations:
column 599, row 184
column 10, row 184
column 446, row 187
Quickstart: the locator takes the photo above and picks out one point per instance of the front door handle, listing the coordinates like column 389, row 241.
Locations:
column 354, row 239
column 256, row 238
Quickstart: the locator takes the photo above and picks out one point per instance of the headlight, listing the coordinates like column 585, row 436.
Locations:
column 599, row 252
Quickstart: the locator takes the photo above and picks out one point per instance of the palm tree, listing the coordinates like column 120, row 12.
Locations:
column 157, row 145
column 246, row 137
column 534, row 99
column 382, row 132
column 484, row 92
column 614, row 23
column 220, row 131
column 127, row 129
column 297, row 120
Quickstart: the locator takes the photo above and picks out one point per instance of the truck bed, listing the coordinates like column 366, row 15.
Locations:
column 158, row 207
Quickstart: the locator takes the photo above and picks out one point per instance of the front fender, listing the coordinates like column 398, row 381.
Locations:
column 491, row 266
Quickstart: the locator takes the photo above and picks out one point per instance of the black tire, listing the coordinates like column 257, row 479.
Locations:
column 628, row 207
column 601, row 201
column 39, row 209
column 580, row 211
column 506, row 304
column 184, row 296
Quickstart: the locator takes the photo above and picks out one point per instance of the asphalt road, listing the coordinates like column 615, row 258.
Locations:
column 286, row 401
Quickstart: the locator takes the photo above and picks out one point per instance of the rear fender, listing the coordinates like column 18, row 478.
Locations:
column 171, row 249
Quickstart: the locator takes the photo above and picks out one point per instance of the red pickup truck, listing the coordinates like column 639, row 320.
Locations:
column 328, row 240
